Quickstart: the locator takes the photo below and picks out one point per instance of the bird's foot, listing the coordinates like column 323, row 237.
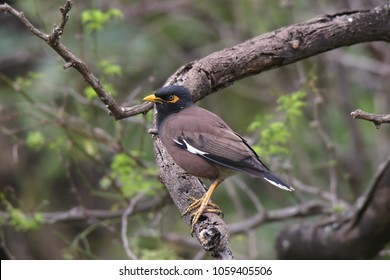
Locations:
column 202, row 207
column 197, row 204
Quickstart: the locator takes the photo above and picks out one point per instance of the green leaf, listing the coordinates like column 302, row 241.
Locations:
column 115, row 13
column 96, row 20
column 130, row 176
column 59, row 144
column 22, row 222
column 338, row 209
column 22, row 82
column 260, row 122
column 292, row 105
column 110, row 69
column 90, row 93
column 152, row 248
column 35, row 140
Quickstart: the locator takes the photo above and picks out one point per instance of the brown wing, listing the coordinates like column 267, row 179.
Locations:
column 205, row 134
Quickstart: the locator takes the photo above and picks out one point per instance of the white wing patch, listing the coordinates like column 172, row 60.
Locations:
column 190, row 148
column 178, row 142
column 283, row 187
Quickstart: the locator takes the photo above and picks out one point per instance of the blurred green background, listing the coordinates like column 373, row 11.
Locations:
column 60, row 149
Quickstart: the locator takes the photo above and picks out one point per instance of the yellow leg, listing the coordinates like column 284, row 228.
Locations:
column 203, row 204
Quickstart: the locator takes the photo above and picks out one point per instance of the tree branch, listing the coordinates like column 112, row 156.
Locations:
column 125, row 216
column 80, row 213
column 301, row 210
column 376, row 119
column 360, row 233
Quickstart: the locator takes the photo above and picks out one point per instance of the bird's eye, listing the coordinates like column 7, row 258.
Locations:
column 172, row 98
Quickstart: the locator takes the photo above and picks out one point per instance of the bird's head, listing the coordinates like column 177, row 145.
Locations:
column 169, row 100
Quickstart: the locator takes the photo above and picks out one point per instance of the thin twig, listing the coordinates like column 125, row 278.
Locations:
column 125, row 215
column 236, row 202
column 376, row 119
column 316, row 191
column 327, row 142
column 250, row 193
column 73, row 188
column 309, row 208
column 59, row 29
column 3, row 245
column 79, row 214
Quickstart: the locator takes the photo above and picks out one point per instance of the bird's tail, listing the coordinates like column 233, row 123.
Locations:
column 270, row 177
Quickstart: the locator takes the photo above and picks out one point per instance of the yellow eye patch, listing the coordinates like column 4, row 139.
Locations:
column 173, row 99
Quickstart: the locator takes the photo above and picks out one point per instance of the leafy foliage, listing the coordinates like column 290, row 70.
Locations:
column 110, row 69
column 130, row 177
column 152, row 248
column 275, row 135
column 20, row 220
column 90, row 94
column 96, row 20
column 23, row 222
column 22, row 82
column 35, row 140
column 291, row 105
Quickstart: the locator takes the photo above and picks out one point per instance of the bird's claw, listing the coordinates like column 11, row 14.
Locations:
column 202, row 208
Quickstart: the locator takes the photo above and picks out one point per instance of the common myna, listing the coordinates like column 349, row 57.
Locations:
column 203, row 145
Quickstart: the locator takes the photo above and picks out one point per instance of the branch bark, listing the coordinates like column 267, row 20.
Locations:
column 377, row 120
column 358, row 234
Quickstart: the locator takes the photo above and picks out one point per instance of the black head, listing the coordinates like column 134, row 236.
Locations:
column 169, row 100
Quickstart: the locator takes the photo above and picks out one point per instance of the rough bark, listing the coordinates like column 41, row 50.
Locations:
column 358, row 234
column 377, row 120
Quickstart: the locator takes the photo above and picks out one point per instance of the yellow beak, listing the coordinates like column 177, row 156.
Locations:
column 153, row 98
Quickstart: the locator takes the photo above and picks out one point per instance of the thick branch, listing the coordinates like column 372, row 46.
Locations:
column 358, row 234
column 376, row 119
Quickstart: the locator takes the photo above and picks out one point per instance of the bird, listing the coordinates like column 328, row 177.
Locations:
column 203, row 145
